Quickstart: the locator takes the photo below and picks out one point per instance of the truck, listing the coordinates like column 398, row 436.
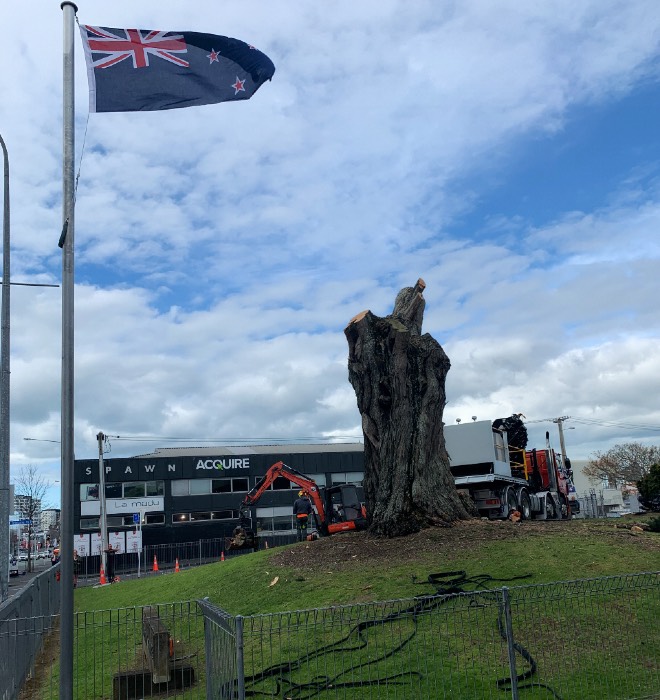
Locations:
column 336, row 508
column 501, row 479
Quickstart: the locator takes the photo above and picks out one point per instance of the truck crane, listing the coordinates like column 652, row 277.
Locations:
column 501, row 478
column 337, row 508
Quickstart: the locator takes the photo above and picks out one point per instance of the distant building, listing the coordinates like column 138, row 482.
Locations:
column 50, row 519
column 598, row 499
column 26, row 507
column 187, row 494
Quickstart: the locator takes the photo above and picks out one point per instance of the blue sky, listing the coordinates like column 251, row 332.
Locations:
column 508, row 153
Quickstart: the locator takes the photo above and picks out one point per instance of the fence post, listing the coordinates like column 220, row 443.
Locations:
column 208, row 648
column 240, row 668
column 508, row 626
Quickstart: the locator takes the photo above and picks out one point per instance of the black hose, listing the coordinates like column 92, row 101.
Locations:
column 448, row 585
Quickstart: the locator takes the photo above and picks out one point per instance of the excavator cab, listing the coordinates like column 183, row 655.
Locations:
column 343, row 508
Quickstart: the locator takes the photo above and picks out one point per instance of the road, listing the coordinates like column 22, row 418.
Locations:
column 16, row 583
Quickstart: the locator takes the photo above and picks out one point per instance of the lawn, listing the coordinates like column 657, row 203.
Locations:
column 588, row 640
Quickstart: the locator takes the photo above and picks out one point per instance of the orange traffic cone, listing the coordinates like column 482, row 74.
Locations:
column 102, row 578
column 222, row 556
column 155, row 564
column 176, row 566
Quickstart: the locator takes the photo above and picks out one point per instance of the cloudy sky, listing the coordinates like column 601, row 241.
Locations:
column 506, row 152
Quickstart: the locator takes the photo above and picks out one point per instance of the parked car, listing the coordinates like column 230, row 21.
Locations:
column 22, row 556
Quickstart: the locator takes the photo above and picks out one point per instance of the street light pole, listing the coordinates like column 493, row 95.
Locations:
column 4, row 388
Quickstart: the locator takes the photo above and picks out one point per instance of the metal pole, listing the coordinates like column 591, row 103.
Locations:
column 69, row 10
column 4, row 390
column 508, row 627
column 240, row 660
column 560, row 425
column 103, row 520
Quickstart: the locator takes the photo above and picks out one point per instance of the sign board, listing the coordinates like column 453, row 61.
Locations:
column 147, row 504
column 81, row 543
column 96, row 543
column 134, row 541
column 118, row 541
column 136, row 518
column 22, row 521
column 124, row 506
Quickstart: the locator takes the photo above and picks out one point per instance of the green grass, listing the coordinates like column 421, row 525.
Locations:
column 240, row 585
column 578, row 641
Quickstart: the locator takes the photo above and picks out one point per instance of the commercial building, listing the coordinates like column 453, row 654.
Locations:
column 188, row 494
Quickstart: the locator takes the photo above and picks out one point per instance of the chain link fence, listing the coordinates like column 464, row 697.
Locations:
column 586, row 640
column 591, row 639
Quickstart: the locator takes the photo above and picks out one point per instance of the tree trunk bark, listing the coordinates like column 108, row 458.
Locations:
column 399, row 380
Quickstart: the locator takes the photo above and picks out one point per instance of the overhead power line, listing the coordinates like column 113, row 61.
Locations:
column 604, row 423
column 236, row 440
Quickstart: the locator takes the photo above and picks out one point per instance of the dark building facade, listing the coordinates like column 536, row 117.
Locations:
column 188, row 494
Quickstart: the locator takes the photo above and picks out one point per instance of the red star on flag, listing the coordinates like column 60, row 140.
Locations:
column 213, row 56
column 239, row 86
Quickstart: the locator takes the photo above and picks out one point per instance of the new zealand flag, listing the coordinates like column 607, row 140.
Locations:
column 132, row 70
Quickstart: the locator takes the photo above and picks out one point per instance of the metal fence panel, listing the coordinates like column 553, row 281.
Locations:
column 224, row 663
column 110, row 658
column 26, row 619
column 593, row 639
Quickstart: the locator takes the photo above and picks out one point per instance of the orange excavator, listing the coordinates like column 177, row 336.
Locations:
column 337, row 508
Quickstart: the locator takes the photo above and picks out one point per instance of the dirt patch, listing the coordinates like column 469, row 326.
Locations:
column 340, row 550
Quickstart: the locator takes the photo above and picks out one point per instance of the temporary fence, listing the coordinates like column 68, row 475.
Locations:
column 189, row 554
column 593, row 640
column 26, row 620
column 590, row 639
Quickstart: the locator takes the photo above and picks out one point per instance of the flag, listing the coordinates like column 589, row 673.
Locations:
column 131, row 70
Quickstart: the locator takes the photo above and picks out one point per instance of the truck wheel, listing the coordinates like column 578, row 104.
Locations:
column 525, row 504
column 511, row 501
column 552, row 511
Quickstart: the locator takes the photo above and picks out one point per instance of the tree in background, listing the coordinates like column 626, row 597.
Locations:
column 31, row 485
column 649, row 488
column 623, row 464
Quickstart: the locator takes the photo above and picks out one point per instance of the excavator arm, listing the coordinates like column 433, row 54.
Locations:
column 279, row 469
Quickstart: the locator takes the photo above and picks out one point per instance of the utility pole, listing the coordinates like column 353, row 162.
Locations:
column 103, row 521
column 560, row 424
column 4, row 387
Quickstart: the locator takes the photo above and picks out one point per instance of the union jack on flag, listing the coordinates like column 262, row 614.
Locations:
column 119, row 44
column 184, row 69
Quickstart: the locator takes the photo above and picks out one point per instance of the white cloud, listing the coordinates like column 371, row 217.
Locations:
column 220, row 251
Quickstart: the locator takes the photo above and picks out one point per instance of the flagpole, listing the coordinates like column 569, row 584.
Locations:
column 69, row 10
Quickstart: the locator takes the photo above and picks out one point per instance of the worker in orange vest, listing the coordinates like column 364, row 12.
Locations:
column 302, row 509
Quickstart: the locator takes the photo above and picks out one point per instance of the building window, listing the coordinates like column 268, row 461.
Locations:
column 240, row 485
column 225, row 515
column 154, row 518
column 114, row 490
column 199, row 487
column 89, row 492
column 89, row 523
column 200, row 515
column 347, row 478
column 155, row 488
column 275, row 519
column 179, row 487
column 134, row 489
column 178, row 518
column 221, row 486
